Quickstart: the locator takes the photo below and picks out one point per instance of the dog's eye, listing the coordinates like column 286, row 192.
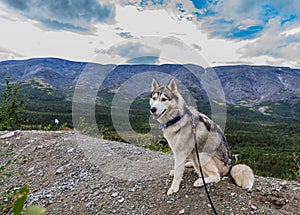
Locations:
column 163, row 99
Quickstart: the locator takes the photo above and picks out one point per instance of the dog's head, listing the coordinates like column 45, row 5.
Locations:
column 165, row 101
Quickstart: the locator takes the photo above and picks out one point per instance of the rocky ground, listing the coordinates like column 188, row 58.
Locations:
column 69, row 173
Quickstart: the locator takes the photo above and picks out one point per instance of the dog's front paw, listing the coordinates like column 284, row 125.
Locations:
column 172, row 190
column 198, row 183
column 172, row 173
column 189, row 164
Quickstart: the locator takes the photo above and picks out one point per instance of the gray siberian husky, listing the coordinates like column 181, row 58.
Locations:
column 169, row 108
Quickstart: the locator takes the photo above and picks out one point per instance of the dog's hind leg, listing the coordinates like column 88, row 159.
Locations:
column 180, row 159
column 212, row 177
column 210, row 170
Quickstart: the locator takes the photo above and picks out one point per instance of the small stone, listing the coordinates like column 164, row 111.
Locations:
column 115, row 194
column 39, row 147
column 60, row 170
column 40, row 173
column 30, row 170
column 121, row 200
column 132, row 189
column 7, row 135
column 71, row 150
column 30, row 141
column 259, row 188
column 253, row 207
column 201, row 195
column 89, row 204
column 281, row 201
column 181, row 212
column 283, row 183
column 49, row 196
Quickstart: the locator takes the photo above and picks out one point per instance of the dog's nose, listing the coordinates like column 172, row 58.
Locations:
column 153, row 109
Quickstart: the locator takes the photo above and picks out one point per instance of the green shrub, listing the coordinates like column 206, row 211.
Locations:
column 18, row 207
column 11, row 198
column 11, row 107
column 8, row 194
column 160, row 145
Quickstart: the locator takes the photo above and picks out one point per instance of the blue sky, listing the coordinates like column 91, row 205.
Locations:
column 223, row 32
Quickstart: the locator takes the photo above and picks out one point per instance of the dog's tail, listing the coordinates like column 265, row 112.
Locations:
column 243, row 176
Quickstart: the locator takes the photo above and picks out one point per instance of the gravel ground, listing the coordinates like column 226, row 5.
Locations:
column 69, row 173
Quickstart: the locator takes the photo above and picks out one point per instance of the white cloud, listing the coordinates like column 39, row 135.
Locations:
column 160, row 23
column 36, row 42
column 134, row 52
column 79, row 15
column 6, row 54
column 234, row 19
column 292, row 31
column 172, row 41
column 212, row 36
column 196, row 46
column 125, row 35
column 281, row 47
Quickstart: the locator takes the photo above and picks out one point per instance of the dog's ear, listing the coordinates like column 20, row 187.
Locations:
column 172, row 85
column 155, row 84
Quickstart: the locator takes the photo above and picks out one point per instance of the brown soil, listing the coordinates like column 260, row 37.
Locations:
column 69, row 173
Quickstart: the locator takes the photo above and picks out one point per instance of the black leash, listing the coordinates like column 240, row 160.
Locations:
column 201, row 171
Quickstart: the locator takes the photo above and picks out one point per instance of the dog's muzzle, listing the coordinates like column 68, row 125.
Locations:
column 155, row 113
column 157, row 110
column 153, row 110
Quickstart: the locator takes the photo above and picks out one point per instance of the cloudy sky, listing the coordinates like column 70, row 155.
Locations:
column 150, row 31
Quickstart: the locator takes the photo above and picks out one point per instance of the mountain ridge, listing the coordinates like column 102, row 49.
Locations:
column 242, row 84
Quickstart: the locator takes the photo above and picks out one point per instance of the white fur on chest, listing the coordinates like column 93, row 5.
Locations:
column 179, row 136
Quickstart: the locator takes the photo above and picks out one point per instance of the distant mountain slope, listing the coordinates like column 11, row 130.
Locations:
column 242, row 84
column 56, row 72
column 259, row 83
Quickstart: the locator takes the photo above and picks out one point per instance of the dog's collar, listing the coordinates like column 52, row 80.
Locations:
column 171, row 122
